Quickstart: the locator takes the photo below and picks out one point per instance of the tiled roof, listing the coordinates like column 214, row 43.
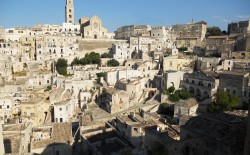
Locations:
column 61, row 133
column 226, row 128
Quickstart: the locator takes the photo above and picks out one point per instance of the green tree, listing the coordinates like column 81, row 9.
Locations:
column 49, row 87
column 76, row 61
column 215, row 31
column 184, row 94
column 106, row 55
column 170, row 90
column 224, row 101
column 61, row 66
column 92, row 58
column 182, row 49
column 101, row 74
column 174, row 97
column 113, row 63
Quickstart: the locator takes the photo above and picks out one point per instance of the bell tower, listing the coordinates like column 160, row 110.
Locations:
column 69, row 12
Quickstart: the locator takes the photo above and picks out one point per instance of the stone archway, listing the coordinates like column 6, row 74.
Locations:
column 198, row 92
column 151, row 94
column 191, row 90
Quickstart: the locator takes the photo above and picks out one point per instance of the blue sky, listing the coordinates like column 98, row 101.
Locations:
column 116, row 13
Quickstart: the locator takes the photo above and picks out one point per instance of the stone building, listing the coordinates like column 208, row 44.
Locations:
column 180, row 64
column 35, row 109
column 69, row 12
column 121, row 52
column 203, row 85
column 52, row 139
column 92, row 28
column 126, row 32
column 214, row 45
column 241, row 27
column 116, row 100
column 168, row 79
column 131, row 129
column 185, row 107
column 63, row 111
column 52, row 47
column 216, row 133
column 16, row 138
column 134, row 87
column 214, row 64
column 190, row 35
column 163, row 34
column 236, row 83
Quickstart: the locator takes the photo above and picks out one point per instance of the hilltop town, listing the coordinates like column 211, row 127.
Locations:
column 76, row 88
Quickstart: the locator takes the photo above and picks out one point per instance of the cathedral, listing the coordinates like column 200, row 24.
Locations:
column 90, row 28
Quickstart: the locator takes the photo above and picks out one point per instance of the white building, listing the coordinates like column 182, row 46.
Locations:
column 121, row 52
column 162, row 34
column 5, row 108
column 63, row 110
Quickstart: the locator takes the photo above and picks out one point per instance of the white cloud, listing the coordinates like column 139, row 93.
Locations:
column 218, row 17
column 243, row 16
column 226, row 21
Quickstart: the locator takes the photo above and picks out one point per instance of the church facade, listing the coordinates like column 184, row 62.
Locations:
column 92, row 28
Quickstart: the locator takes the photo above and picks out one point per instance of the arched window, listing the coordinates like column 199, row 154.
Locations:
column 209, row 85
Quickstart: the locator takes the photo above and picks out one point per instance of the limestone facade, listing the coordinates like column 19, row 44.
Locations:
column 175, row 63
column 203, row 85
column 125, row 32
column 190, row 35
column 93, row 29
column 242, row 27
column 236, row 83
column 117, row 100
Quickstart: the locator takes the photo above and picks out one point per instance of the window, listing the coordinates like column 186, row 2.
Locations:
column 234, row 92
column 209, row 85
column 8, row 106
column 57, row 153
column 200, row 83
column 61, row 119
column 47, row 81
column 60, row 109
column 245, row 93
